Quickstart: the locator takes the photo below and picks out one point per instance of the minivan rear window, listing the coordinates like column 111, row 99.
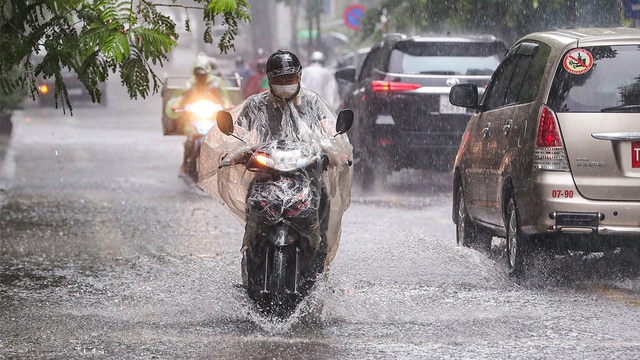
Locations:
column 610, row 84
column 442, row 58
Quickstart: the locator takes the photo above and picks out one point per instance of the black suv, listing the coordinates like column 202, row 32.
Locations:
column 401, row 100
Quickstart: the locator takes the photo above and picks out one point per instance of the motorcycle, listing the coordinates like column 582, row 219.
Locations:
column 201, row 115
column 286, row 218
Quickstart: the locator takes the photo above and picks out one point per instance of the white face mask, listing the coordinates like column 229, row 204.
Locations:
column 284, row 91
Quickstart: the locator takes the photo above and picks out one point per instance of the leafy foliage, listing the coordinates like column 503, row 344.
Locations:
column 93, row 38
column 231, row 11
column 12, row 100
column 506, row 19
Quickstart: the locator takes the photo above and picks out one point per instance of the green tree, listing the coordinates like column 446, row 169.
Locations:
column 508, row 20
column 314, row 9
column 94, row 38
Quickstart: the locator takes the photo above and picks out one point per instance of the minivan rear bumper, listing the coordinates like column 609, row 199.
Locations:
column 554, row 206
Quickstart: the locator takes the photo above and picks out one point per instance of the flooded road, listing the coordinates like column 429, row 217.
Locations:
column 106, row 253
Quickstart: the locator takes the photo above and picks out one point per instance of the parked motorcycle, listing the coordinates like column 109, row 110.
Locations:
column 287, row 212
column 201, row 115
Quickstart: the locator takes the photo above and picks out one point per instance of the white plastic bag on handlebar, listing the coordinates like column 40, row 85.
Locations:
column 263, row 118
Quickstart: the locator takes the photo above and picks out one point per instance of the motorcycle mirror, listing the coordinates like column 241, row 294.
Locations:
column 225, row 122
column 344, row 121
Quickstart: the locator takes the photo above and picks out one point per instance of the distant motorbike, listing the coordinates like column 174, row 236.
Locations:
column 286, row 208
column 201, row 115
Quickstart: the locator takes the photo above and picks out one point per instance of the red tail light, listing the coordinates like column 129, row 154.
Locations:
column 385, row 86
column 548, row 134
column 549, row 153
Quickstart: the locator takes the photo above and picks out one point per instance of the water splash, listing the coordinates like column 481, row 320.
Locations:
column 307, row 312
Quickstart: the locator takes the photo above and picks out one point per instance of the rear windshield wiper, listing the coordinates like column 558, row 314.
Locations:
column 622, row 108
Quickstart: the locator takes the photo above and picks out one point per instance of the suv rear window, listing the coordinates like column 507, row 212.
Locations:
column 611, row 84
column 445, row 58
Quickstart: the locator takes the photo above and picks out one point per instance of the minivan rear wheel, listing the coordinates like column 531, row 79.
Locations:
column 518, row 247
column 468, row 233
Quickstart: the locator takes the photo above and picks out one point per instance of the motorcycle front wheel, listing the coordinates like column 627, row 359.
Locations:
column 271, row 275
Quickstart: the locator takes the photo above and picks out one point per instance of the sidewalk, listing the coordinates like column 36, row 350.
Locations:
column 7, row 164
column 5, row 142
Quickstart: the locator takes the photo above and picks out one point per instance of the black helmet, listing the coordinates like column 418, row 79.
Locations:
column 282, row 62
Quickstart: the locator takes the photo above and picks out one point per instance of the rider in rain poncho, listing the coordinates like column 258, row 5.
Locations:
column 203, row 84
column 286, row 112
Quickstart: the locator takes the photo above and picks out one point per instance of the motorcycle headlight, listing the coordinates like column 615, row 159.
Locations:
column 288, row 160
column 204, row 109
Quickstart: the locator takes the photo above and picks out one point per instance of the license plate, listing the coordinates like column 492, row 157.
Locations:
column 447, row 108
column 635, row 154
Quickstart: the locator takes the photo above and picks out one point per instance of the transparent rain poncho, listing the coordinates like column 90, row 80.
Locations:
column 263, row 118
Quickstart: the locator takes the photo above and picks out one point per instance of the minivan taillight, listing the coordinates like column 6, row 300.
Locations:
column 385, row 86
column 549, row 152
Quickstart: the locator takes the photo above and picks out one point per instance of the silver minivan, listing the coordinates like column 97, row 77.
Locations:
column 551, row 156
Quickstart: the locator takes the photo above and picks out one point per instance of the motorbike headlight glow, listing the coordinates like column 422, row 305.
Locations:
column 288, row 160
column 204, row 109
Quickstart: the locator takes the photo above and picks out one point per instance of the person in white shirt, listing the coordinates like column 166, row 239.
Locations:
column 320, row 80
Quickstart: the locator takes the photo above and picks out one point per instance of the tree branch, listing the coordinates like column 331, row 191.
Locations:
column 173, row 5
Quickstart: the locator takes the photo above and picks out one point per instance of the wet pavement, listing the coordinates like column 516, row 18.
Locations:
column 106, row 253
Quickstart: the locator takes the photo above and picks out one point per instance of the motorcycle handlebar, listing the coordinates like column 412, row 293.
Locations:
column 240, row 158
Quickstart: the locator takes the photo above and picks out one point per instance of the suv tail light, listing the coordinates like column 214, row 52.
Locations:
column 549, row 152
column 385, row 86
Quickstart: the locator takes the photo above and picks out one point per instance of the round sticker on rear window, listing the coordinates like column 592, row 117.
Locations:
column 578, row 61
